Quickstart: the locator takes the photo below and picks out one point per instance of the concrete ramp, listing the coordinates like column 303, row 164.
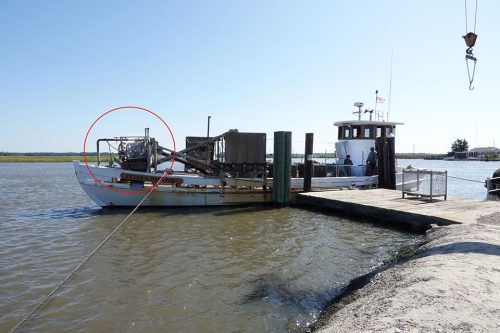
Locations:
column 388, row 206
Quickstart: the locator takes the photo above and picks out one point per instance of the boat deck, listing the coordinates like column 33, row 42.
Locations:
column 388, row 206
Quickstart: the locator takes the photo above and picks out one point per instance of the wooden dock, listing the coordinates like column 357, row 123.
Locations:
column 388, row 206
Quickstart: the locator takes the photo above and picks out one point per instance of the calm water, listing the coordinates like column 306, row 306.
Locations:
column 179, row 270
column 475, row 172
column 472, row 170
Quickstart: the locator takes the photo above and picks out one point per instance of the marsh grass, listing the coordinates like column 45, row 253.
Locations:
column 47, row 158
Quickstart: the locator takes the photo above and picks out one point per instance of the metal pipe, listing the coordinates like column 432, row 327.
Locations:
column 208, row 127
column 208, row 137
column 98, row 154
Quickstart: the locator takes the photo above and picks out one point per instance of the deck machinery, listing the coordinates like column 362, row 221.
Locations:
column 231, row 154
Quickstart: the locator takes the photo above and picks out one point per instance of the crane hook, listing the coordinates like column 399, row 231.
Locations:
column 470, row 40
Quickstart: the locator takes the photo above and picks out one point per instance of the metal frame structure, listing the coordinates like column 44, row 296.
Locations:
column 416, row 187
column 213, row 165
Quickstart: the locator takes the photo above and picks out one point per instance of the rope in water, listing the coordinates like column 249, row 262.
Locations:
column 469, row 180
column 46, row 298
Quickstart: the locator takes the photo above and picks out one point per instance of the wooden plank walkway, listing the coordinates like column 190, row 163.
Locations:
column 387, row 206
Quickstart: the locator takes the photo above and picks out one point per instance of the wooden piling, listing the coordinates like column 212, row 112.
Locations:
column 282, row 167
column 278, row 161
column 386, row 162
column 379, row 147
column 308, row 162
column 391, row 169
column 287, row 168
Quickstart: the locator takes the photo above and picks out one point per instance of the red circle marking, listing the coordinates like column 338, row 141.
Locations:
column 109, row 188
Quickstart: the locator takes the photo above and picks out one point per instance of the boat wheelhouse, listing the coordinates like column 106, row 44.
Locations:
column 356, row 137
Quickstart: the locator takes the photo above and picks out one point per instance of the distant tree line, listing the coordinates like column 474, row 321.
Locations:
column 3, row 153
column 459, row 145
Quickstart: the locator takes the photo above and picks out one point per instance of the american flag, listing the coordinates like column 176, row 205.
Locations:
column 380, row 100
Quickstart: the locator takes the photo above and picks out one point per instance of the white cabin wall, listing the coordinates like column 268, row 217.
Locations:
column 358, row 149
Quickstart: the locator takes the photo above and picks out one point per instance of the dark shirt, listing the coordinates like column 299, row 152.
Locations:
column 347, row 161
column 372, row 158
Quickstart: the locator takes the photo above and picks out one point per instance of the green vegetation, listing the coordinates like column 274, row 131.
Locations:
column 92, row 157
column 407, row 252
column 44, row 158
column 458, row 146
column 48, row 157
column 492, row 157
column 421, row 156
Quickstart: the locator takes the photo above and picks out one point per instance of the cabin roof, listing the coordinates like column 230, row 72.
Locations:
column 366, row 122
column 484, row 150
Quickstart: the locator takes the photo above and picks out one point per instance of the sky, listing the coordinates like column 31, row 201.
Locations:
column 255, row 66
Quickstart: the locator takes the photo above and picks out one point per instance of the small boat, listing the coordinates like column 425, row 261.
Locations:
column 493, row 185
column 228, row 169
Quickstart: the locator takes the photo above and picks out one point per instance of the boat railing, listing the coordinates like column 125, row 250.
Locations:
column 330, row 170
column 345, row 170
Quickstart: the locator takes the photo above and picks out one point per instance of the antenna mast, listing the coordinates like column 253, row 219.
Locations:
column 390, row 89
column 377, row 115
column 359, row 105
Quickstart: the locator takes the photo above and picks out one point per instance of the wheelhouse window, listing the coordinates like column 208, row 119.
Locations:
column 367, row 133
column 347, row 132
column 356, row 132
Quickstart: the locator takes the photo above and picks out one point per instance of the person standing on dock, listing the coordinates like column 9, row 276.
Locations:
column 371, row 162
column 347, row 165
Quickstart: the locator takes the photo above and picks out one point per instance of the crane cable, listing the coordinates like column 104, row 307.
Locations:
column 470, row 40
column 77, row 268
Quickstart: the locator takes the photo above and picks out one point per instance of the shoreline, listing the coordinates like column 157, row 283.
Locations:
column 449, row 284
column 49, row 157
column 45, row 158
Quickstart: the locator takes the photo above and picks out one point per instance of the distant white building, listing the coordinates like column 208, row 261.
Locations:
column 479, row 153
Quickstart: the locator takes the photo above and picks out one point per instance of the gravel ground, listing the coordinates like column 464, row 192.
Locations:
column 452, row 284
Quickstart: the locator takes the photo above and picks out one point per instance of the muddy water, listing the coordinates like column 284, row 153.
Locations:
column 250, row 269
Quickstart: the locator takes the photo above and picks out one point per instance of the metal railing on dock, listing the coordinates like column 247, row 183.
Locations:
column 425, row 183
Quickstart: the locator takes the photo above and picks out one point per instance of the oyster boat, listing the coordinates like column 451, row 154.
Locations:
column 228, row 169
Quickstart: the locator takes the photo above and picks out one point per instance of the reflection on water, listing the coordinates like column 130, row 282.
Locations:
column 253, row 269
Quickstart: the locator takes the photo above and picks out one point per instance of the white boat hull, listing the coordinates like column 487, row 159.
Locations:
column 196, row 190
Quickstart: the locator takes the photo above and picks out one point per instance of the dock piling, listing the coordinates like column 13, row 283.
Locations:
column 308, row 162
column 287, row 182
column 386, row 162
column 282, row 167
